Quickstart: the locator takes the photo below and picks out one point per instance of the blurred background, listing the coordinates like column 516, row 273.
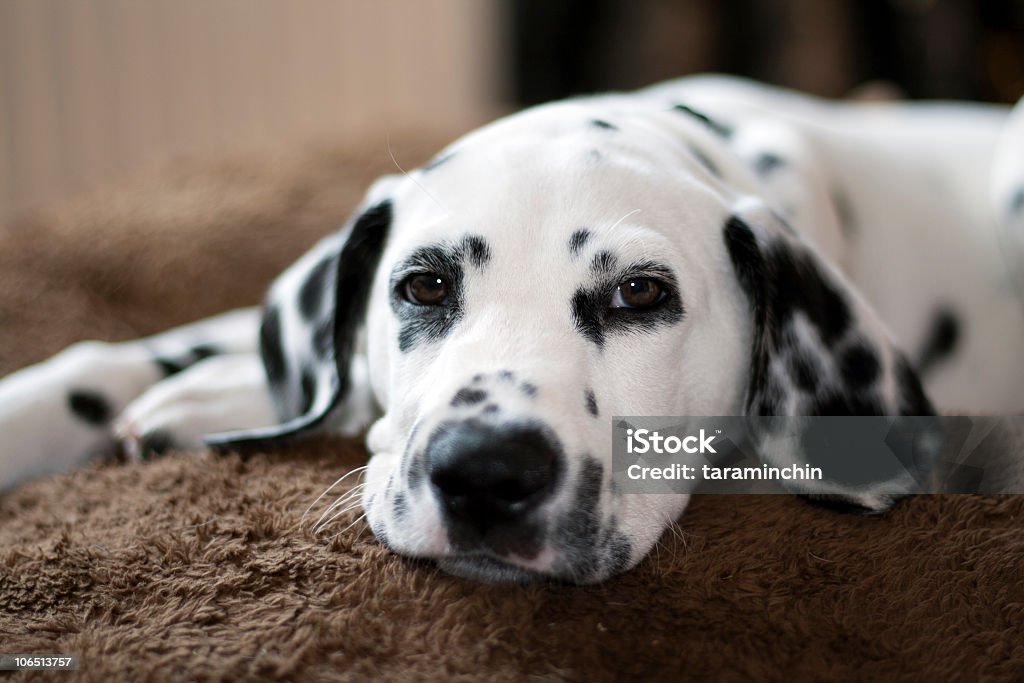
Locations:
column 93, row 89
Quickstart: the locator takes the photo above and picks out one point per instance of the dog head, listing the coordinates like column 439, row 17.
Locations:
column 567, row 264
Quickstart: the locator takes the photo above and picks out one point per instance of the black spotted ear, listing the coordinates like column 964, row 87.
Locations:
column 311, row 320
column 817, row 347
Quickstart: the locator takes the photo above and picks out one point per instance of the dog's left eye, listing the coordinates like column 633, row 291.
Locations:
column 640, row 292
column 425, row 289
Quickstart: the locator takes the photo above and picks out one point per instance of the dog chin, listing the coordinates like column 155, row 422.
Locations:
column 487, row 569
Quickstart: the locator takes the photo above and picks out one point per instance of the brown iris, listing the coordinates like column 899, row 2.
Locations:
column 426, row 289
column 641, row 292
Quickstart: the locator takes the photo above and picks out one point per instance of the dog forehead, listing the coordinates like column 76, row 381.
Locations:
column 533, row 181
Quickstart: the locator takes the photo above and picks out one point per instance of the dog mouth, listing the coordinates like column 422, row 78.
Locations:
column 487, row 569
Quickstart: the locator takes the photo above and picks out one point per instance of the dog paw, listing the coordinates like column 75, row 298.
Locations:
column 218, row 394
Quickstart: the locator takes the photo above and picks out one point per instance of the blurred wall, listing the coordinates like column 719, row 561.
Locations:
column 94, row 88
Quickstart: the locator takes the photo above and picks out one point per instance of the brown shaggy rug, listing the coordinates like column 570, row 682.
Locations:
column 195, row 567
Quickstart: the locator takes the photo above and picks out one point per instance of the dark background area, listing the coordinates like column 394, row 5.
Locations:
column 934, row 49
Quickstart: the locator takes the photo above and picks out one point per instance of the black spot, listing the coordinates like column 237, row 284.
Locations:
column 603, row 262
column 912, row 397
column 157, row 442
column 314, row 289
column 468, row 397
column 717, row 127
column 844, row 404
column 506, row 375
column 766, row 407
column 89, row 406
column 399, row 507
column 844, row 211
column 590, row 401
column 202, row 351
column 767, row 162
column 173, row 364
column 308, row 391
column 528, row 389
column 588, row 309
column 577, row 241
column 169, row 366
column 438, row 161
column 800, row 285
column 491, row 408
column 601, row 123
column 804, row 369
column 478, row 378
column 942, row 337
column 270, row 347
column 859, row 366
column 477, row 249
column 1017, row 201
column 705, row 161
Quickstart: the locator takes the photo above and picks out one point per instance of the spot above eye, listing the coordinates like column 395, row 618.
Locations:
column 578, row 240
column 425, row 289
column 638, row 293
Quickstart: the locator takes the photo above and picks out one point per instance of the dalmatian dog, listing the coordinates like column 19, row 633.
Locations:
column 706, row 246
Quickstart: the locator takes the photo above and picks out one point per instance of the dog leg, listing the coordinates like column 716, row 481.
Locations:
column 58, row 413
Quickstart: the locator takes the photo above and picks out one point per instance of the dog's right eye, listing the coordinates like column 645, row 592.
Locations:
column 426, row 289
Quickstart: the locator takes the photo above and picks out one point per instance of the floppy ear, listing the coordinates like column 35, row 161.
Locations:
column 311, row 319
column 819, row 349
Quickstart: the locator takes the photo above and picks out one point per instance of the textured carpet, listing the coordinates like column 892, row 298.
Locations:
column 196, row 567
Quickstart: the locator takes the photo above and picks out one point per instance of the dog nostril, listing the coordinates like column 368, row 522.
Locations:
column 485, row 475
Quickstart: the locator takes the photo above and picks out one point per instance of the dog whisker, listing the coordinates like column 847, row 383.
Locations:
column 320, row 527
column 340, row 508
column 344, row 498
column 340, row 479
column 354, row 522
column 414, row 181
column 616, row 223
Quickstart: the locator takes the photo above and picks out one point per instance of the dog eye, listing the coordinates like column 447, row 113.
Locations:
column 641, row 292
column 426, row 289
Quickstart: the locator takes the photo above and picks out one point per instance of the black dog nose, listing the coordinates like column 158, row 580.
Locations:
column 488, row 475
